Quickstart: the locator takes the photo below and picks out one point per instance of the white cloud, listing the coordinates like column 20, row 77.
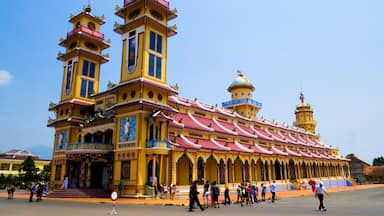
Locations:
column 5, row 77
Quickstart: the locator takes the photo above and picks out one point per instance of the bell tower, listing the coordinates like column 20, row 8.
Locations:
column 142, row 107
column 82, row 59
column 145, row 35
column 242, row 97
column 304, row 116
column 83, row 56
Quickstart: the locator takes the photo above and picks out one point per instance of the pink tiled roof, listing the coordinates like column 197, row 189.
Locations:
column 278, row 151
column 292, row 153
column 261, row 150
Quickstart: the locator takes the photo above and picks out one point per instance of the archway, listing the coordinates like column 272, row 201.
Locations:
column 222, row 172
column 259, row 170
column 200, row 169
column 246, row 171
column 277, row 170
column 292, row 171
column 238, row 166
column 304, row 170
column 211, row 169
column 184, row 171
column 230, row 170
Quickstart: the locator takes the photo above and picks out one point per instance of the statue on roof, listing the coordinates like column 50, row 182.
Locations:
column 240, row 73
column 302, row 97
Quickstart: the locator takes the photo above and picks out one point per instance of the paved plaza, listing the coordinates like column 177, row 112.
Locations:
column 365, row 202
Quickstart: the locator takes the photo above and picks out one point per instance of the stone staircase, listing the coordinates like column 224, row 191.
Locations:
column 78, row 193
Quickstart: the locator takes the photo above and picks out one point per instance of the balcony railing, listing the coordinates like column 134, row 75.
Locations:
column 161, row 2
column 158, row 144
column 87, row 31
column 241, row 101
column 89, row 146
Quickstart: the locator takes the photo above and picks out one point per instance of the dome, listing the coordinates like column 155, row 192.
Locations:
column 240, row 82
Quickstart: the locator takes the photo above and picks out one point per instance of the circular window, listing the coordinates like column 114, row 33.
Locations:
column 133, row 94
column 61, row 113
column 66, row 112
column 160, row 97
column 124, row 96
column 150, row 94
column 242, row 93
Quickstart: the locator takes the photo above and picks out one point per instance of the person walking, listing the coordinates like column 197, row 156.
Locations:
column 227, row 199
column 193, row 197
column 215, row 194
column 263, row 191
column 32, row 190
column 206, row 194
column 320, row 192
column 272, row 186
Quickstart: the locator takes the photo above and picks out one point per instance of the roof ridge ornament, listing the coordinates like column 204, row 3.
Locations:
column 302, row 97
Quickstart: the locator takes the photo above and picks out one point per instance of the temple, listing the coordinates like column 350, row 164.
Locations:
column 139, row 132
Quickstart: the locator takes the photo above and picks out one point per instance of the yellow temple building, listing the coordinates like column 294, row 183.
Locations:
column 139, row 131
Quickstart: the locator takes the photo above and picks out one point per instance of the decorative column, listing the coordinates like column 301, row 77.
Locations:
column 88, row 181
column 82, row 174
column 173, row 168
column 154, row 169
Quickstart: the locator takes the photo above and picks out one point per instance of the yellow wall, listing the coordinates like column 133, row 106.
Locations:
column 17, row 164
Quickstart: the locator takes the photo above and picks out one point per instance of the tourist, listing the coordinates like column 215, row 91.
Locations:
column 215, row 194
column 32, row 191
column 11, row 190
column 172, row 191
column 65, row 184
column 320, row 192
column 206, row 194
column 249, row 195
column 165, row 191
column 263, row 191
column 255, row 191
column 272, row 186
column 227, row 199
column 193, row 197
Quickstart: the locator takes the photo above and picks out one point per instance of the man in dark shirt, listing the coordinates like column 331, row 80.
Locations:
column 193, row 196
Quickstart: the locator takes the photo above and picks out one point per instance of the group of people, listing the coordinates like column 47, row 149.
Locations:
column 164, row 191
column 246, row 193
column 36, row 189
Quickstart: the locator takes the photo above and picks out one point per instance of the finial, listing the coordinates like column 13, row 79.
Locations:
column 239, row 73
column 88, row 9
column 302, row 97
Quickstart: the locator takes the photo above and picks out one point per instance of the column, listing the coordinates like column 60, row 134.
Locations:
column 166, row 170
column 88, row 180
column 173, row 168
column 154, row 170
column 226, row 172
column 82, row 174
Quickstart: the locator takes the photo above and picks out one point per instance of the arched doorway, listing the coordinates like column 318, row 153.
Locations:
column 277, row 170
column 259, row 170
column 230, row 170
column 292, row 170
column 184, row 171
column 246, row 171
column 200, row 169
column 222, row 172
column 211, row 169
column 238, row 167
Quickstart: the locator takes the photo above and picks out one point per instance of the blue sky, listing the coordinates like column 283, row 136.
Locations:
column 331, row 50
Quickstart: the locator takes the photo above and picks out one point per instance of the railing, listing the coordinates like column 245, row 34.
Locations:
column 241, row 101
column 158, row 144
column 161, row 2
column 87, row 31
column 89, row 146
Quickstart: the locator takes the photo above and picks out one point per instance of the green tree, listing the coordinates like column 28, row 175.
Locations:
column 29, row 170
column 45, row 174
column 379, row 161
